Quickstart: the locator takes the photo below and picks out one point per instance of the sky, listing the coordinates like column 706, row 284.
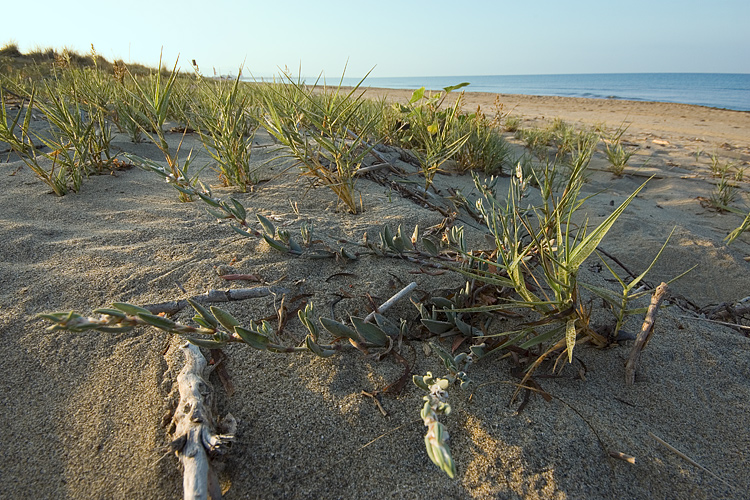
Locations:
column 401, row 38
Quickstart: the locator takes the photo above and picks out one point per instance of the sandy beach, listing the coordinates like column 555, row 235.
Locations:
column 85, row 415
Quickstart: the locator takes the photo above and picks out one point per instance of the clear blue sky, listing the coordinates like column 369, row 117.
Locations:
column 400, row 37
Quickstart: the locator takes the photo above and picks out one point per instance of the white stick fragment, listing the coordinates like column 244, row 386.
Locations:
column 389, row 303
column 195, row 429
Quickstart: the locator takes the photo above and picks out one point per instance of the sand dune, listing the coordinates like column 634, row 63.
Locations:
column 83, row 414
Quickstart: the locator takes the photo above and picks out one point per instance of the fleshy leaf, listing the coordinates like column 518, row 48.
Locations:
column 252, row 338
column 158, row 321
column 204, row 313
column 130, row 308
column 316, row 349
column 110, row 312
column 208, row 344
column 437, row 327
column 239, row 230
column 276, row 244
column 429, row 246
column 371, row 333
column 227, row 320
column 339, row 329
column 239, row 210
column 268, row 226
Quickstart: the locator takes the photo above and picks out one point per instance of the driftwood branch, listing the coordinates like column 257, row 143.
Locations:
column 727, row 312
column 216, row 296
column 631, row 366
column 197, row 438
column 389, row 303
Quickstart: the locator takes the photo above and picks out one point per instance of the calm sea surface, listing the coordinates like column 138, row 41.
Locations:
column 718, row 90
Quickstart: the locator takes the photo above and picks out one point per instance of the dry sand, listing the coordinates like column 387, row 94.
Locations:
column 83, row 414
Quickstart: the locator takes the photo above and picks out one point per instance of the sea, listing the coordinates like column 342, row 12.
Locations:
column 716, row 90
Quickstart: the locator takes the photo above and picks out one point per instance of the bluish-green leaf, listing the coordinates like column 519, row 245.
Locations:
column 240, row 231
column 437, row 327
column 338, row 329
column 275, row 244
column 371, row 333
column 268, row 226
column 208, row 199
column 315, row 348
column 239, row 210
column 110, row 312
column 252, row 338
column 204, row 313
column 448, row 360
column 429, row 246
column 419, row 382
column 227, row 320
column 442, row 302
column 158, row 321
column 130, row 308
column 218, row 215
column 206, row 343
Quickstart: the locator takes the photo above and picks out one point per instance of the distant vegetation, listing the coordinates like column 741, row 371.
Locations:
column 42, row 61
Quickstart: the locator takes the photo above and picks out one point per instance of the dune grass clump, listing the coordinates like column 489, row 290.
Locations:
column 78, row 137
column 617, row 155
column 151, row 97
column 511, row 123
column 484, row 150
column 227, row 128
column 322, row 129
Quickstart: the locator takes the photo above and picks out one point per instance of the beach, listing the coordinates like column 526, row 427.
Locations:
column 86, row 415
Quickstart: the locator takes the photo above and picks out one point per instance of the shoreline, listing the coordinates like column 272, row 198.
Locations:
column 696, row 126
column 582, row 98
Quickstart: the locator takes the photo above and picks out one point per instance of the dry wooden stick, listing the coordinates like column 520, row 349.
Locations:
column 686, row 458
column 196, row 429
column 389, row 303
column 645, row 334
column 216, row 296
column 723, row 323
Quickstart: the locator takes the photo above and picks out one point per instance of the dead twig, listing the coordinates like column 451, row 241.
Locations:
column 687, row 458
column 723, row 323
column 374, row 397
column 631, row 366
column 216, row 296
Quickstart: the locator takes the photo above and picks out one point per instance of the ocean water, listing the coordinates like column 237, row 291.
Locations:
column 717, row 90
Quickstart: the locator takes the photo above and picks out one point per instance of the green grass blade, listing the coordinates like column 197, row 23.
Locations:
column 584, row 249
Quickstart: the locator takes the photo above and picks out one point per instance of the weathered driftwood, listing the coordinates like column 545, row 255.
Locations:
column 728, row 312
column 197, row 436
column 631, row 366
column 216, row 296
